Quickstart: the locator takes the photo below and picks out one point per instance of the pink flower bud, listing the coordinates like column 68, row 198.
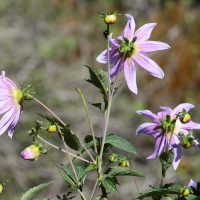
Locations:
column 31, row 153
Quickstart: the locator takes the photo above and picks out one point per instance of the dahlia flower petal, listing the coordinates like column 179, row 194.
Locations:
column 166, row 111
column 103, row 58
column 11, row 83
column 114, row 56
column 12, row 126
column 144, row 32
column 149, row 65
column 149, row 114
column 192, row 184
column 6, row 120
column 150, row 46
column 148, row 129
column 6, row 107
column 159, row 146
column 130, row 28
column 190, row 125
column 180, row 107
column 114, row 42
column 114, row 68
column 177, row 156
column 130, row 76
column 5, row 92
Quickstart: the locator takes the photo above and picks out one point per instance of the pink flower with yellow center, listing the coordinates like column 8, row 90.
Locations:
column 138, row 46
column 155, row 130
column 10, row 104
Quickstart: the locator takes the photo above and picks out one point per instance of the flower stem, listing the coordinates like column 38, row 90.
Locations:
column 70, row 160
column 47, row 109
column 2, row 195
column 62, row 123
column 82, row 195
column 63, row 150
column 109, row 106
column 108, row 44
column 94, row 189
column 95, row 146
column 170, row 141
column 196, row 145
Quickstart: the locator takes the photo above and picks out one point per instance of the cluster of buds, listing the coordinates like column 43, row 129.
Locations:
column 122, row 161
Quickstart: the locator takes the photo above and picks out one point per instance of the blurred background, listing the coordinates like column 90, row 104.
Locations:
column 47, row 42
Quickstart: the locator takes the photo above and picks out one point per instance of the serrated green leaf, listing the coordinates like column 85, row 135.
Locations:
column 31, row 192
column 80, row 171
column 166, row 158
column 190, row 197
column 50, row 119
column 99, row 78
column 71, row 139
column 90, row 167
column 123, row 171
column 109, row 184
column 120, row 143
column 172, row 188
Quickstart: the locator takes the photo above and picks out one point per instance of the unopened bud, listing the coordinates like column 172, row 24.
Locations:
column 110, row 18
column 52, row 128
column 185, row 118
column 30, row 153
column 186, row 142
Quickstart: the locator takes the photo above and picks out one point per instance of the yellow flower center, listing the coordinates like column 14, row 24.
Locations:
column 17, row 95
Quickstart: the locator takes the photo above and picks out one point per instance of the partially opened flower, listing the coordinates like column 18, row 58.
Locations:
column 10, row 104
column 157, row 131
column 135, row 45
column 31, row 153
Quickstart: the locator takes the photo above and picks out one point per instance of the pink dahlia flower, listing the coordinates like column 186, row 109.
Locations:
column 155, row 130
column 137, row 47
column 10, row 104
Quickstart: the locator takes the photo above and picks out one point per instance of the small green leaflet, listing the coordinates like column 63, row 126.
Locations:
column 80, row 170
column 109, row 184
column 120, row 143
column 71, row 139
column 31, row 192
column 50, row 119
column 166, row 158
column 172, row 188
column 99, row 78
column 90, row 167
column 123, row 171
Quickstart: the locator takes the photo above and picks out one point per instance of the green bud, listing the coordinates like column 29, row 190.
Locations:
column 1, row 188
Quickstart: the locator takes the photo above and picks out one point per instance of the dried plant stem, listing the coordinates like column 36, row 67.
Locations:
column 70, row 160
column 95, row 146
column 82, row 195
column 62, row 123
column 63, row 150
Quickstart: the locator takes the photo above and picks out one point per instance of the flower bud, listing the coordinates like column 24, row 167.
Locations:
column 185, row 118
column 184, row 191
column 113, row 158
column 186, row 142
column 157, row 197
column 31, row 153
column 110, row 18
column 1, row 188
column 52, row 128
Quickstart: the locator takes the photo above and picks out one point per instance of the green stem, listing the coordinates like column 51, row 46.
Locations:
column 65, row 175
column 88, row 116
column 3, row 195
column 108, row 44
column 171, row 135
column 63, row 150
column 70, row 160
column 94, row 189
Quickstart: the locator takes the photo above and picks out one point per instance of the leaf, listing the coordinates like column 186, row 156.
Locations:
column 98, row 105
column 99, row 78
column 190, row 197
column 116, row 88
column 172, row 188
column 90, row 167
column 41, row 199
column 31, row 192
column 50, row 119
column 107, row 148
column 80, row 171
column 123, row 171
column 166, row 158
column 71, row 139
column 38, row 125
column 109, row 184
column 120, row 143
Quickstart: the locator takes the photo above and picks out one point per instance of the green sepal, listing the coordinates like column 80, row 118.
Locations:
column 134, row 39
column 166, row 158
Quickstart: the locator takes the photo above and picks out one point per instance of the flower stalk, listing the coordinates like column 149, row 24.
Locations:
column 86, row 109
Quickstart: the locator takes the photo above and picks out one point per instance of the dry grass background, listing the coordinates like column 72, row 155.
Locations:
column 47, row 42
